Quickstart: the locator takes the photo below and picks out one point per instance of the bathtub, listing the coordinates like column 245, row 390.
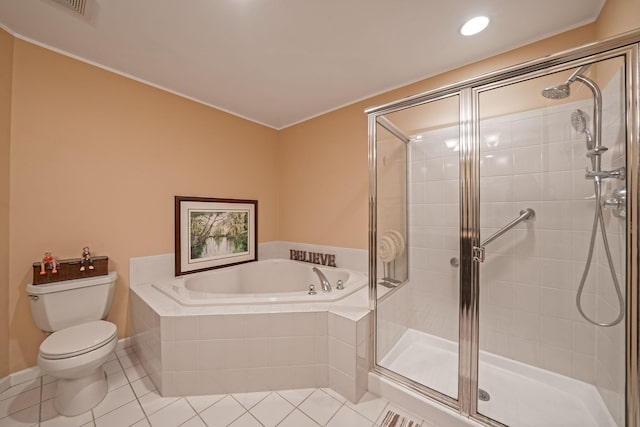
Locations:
column 251, row 327
column 262, row 282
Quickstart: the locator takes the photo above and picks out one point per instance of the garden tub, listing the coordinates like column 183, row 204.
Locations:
column 262, row 282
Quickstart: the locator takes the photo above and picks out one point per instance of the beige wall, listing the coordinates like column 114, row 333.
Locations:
column 617, row 17
column 324, row 170
column 96, row 160
column 324, row 181
column 6, row 66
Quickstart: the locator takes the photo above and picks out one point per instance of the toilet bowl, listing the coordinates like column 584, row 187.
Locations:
column 75, row 356
column 80, row 342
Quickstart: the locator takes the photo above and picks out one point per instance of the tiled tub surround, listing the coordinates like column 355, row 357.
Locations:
column 531, row 276
column 245, row 348
column 352, row 259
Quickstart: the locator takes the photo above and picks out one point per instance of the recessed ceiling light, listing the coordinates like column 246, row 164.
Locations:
column 474, row 25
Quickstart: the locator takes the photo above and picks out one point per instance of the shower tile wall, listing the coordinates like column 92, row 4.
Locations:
column 433, row 233
column 530, row 278
column 392, row 317
column 610, row 366
column 392, row 199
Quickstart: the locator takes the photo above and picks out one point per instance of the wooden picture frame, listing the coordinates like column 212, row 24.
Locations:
column 214, row 233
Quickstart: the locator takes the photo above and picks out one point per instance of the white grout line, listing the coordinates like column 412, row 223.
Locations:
column 197, row 413
column 40, row 403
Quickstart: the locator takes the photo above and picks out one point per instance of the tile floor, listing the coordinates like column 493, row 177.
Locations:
column 132, row 400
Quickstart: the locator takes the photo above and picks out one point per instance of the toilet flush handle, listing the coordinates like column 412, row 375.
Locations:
column 34, row 297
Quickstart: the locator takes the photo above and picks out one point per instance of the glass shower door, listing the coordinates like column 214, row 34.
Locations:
column 551, row 287
column 417, row 259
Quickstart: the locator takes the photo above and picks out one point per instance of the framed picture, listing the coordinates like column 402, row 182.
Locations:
column 214, row 233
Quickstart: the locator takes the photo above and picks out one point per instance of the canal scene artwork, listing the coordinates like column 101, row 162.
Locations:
column 214, row 233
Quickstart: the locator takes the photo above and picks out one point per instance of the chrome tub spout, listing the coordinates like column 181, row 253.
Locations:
column 326, row 286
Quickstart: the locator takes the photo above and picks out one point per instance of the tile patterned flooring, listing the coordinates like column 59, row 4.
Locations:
column 132, row 400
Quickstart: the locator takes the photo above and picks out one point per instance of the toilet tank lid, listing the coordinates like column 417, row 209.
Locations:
column 71, row 284
column 78, row 339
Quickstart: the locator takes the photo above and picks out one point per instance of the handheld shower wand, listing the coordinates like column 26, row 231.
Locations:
column 579, row 122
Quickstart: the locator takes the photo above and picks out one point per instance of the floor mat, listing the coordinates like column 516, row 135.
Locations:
column 393, row 419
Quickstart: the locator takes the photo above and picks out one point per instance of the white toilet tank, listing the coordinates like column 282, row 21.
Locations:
column 58, row 305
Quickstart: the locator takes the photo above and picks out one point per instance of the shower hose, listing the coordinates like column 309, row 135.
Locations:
column 598, row 218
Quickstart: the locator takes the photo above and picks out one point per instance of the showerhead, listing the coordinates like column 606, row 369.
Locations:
column 557, row 92
column 562, row 91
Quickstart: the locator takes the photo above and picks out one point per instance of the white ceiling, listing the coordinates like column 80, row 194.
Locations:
column 279, row 62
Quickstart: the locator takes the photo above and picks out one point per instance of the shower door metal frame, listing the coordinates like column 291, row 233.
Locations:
column 626, row 45
column 633, row 241
column 373, row 123
column 630, row 55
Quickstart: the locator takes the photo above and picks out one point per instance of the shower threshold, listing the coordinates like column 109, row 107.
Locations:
column 521, row 394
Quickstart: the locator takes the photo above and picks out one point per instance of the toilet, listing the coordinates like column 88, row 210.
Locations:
column 80, row 341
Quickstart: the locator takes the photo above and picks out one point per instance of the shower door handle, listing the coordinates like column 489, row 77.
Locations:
column 477, row 253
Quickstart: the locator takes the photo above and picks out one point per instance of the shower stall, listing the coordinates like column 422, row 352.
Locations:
column 504, row 242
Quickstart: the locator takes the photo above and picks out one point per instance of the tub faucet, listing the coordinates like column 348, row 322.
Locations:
column 326, row 286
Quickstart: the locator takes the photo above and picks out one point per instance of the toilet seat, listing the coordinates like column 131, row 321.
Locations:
column 78, row 340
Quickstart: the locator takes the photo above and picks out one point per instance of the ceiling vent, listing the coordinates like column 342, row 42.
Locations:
column 78, row 6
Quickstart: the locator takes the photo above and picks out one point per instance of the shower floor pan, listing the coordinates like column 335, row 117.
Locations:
column 520, row 395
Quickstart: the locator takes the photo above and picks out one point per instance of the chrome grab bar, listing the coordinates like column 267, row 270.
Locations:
column 525, row 215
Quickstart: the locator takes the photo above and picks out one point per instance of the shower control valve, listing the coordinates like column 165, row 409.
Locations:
column 619, row 173
column 597, row 151
column 617, row 202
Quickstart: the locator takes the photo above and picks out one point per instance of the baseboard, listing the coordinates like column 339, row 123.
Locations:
column 123, row 343
column 34, row 372
column 4, row 384
column 24, row 375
